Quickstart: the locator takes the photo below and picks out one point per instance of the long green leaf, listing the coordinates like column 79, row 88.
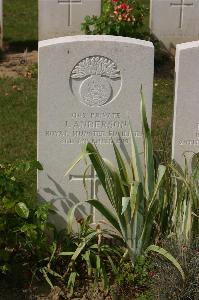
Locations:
column 125, row 204
column 87, row 258
column 71, row 281
column 160, row 176
column 133, row 197
column 106, row 213
column 122, row 169
column 82, row 245
column 81, row 156
column 97, row 163
column 148, row 151
column 109, row 179
column 43, row 271
column 66, row 253
column 135, row 159
column 168, row 256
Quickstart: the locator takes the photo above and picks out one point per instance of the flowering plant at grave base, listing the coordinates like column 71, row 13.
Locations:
column 119, row 17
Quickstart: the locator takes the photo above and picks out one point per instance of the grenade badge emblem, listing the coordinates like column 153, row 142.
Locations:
column 97, row 80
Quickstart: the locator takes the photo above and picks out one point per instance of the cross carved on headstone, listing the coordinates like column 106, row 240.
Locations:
column 93, row 178
column 181, row 5
column 69, row 2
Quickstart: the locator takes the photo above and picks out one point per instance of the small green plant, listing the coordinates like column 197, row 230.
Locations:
column 23, row 225
column 131, row 282
column 93, row 252
column 32, row 71
column 180, row 213
column 137, row 276
column 119, row 17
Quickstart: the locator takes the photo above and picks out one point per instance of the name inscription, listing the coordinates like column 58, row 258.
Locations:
column 98, row 128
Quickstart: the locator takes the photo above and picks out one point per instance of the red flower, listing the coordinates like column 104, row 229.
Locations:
column 123, row 6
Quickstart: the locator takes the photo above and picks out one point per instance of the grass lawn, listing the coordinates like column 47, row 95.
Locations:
column 162, row 118
column 18, row 118
column 18, row 124
column 20, row 24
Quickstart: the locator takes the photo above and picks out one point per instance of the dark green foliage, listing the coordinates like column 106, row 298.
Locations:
column 138, row 276
column 23, row 225
column 94, row 253
column 122, row 18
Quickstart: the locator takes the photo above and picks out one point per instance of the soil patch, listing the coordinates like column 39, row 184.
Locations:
column 18, row 64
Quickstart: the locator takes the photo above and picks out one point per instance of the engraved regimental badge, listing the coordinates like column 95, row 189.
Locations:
column 96, row 81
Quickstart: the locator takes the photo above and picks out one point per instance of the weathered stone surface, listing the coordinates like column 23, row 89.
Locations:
column 89, row 88
column 64, row 17
column 186, row 117
column 175, row 21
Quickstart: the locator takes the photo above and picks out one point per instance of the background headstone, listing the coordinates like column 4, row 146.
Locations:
column 175, row 21
column 64, row 17
column 186, row 110
column 1, row 24
column 89, row 88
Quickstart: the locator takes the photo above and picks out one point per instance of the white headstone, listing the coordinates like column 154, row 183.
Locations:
column 89, row 88
column 175, row 21
column 64, row 17
column 186, row 110
column 1, row 24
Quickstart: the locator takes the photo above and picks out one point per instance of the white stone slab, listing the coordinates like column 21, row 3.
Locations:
column 59, row 18
column 89, row 87
column 175, row 21
column 1, row 24
column 186, row 110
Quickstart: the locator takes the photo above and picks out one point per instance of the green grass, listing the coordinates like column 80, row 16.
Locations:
column 20, row 24
column 18, row 119
column 18, row 129
column 162, row 117
column 146, row 3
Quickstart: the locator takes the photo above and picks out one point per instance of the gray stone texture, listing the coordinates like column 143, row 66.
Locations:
column 175, row 21
column 59, row 18
column 186, row 109
column 89, row 89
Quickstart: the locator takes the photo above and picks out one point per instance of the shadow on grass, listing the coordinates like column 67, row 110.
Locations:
column 20, row 46
column 2, row 55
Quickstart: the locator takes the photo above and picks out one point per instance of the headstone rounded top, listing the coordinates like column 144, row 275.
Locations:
column 92, row 38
